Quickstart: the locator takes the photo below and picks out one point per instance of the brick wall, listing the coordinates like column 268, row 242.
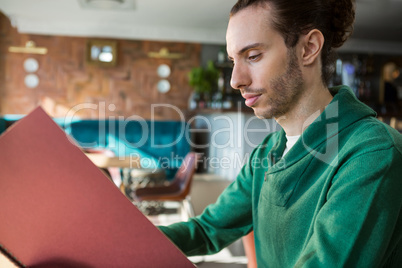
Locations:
column 67, row 82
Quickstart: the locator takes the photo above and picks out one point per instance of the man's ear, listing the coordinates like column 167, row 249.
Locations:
column 312, row 45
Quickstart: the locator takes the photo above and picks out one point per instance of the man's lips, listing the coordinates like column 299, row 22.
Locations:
column 251, row 98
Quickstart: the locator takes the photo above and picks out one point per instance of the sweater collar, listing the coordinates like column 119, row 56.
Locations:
column 344, row 110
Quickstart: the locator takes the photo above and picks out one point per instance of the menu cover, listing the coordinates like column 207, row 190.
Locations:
column 57, row 209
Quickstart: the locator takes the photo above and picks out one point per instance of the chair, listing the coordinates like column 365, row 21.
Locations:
column 177, row 190
column 249, row 249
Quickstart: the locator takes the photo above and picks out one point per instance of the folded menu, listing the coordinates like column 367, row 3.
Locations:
column 57, row 209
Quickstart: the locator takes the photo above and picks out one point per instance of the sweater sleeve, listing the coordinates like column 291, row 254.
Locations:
column 220, row 224
column 360, row 225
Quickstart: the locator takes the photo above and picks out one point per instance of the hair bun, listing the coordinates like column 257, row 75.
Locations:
column 343, row 16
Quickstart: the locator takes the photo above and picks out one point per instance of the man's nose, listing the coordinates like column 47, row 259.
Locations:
column 240, row 77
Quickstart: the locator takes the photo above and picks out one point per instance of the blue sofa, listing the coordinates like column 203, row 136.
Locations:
column 159, row 144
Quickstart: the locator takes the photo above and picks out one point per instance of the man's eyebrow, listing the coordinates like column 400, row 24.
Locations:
column 248, row 47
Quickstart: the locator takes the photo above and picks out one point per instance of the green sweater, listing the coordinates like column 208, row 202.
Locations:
column 334, row 200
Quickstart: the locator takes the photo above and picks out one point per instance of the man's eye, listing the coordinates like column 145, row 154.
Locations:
column 254, row 57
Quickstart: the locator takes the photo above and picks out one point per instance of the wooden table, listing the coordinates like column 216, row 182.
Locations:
column 126, row 163
column 104, row 161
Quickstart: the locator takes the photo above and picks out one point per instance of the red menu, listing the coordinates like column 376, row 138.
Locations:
column 57, row 209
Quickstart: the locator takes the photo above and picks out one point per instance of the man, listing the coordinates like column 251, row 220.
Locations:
column 326, row 191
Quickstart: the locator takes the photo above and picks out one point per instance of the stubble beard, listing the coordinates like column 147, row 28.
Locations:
column 285, row 89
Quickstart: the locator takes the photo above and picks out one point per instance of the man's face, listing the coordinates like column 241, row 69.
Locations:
column 265, row 71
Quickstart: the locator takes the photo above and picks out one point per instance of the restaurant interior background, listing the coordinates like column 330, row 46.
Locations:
column 156, row 44
column 66, row 77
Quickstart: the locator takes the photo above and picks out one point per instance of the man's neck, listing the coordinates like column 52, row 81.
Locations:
column 309, row 107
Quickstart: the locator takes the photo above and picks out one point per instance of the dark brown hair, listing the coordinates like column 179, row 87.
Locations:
column 291, row 18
